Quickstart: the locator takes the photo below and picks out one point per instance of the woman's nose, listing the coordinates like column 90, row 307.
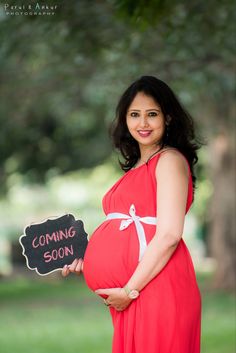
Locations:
column 144, row 121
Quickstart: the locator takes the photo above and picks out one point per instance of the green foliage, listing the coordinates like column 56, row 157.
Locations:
column 79, row 193
column 62, row 75
column 50, row 117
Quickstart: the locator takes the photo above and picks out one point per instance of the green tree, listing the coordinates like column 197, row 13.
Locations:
column 197, row 42
column 61, row 77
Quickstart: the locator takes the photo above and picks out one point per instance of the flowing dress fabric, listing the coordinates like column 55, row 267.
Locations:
column 166, row 317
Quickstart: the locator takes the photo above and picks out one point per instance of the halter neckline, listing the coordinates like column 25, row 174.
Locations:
column 152, row 156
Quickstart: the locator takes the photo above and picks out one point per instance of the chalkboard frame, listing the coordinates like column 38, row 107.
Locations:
column 51, row 218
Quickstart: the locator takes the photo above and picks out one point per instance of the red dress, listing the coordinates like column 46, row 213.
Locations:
column 166, row 317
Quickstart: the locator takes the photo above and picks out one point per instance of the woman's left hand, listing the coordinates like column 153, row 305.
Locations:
column 116, row 297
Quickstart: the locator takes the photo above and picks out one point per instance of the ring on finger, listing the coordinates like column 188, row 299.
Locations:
column 106, row 303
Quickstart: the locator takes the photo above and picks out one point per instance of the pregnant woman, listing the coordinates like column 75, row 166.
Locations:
column 136, row 259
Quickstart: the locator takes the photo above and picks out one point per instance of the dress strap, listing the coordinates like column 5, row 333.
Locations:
column 175, row 149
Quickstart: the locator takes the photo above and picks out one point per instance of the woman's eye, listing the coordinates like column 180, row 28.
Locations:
column 152, row 114
column 134, row 114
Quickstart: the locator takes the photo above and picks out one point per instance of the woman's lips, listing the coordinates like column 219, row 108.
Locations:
column 144, row 133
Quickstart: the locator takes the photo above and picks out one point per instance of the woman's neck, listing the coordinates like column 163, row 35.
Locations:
column 147, row 153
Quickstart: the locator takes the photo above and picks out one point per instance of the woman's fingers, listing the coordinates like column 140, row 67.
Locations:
column 72, row 266
column 65, row 271
column 78, row 267
column 105, row 291
column 75, row 267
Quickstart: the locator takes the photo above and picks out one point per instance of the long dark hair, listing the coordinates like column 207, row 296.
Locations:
column 181, row 134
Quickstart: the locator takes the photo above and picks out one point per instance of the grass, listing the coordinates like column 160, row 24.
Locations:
column 218, row 319
column 62, row 316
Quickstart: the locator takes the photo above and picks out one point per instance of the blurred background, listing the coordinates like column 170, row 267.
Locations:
column 63, row 66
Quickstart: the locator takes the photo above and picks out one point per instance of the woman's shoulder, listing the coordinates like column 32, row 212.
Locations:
column 172, row 159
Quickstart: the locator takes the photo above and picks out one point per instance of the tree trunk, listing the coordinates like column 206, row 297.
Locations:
column 222, row 240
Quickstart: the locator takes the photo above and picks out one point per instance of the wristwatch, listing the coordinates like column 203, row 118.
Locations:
column 131, row 293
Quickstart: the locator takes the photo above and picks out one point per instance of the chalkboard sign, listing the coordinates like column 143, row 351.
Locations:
column 49, row 245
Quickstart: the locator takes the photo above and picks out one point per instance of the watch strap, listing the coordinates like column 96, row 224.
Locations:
column 131, row 293
column 127, row 290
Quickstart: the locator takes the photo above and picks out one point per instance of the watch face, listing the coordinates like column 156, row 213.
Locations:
column 133, row 294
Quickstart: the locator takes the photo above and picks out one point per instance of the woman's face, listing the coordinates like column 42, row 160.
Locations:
column 145, row 120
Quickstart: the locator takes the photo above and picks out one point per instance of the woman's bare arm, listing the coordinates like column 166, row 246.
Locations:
column 172, row 190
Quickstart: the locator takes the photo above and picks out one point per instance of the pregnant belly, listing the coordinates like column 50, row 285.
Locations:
column 111, row 256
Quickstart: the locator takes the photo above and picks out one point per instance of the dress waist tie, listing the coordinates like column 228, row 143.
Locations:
column 132, row 217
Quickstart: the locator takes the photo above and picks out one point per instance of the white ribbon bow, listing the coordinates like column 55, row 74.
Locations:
column 127, row 220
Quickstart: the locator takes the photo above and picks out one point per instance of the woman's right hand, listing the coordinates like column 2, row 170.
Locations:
column 75, row 267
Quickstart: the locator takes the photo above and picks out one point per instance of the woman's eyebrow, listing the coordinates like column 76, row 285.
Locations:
column 148, row 110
